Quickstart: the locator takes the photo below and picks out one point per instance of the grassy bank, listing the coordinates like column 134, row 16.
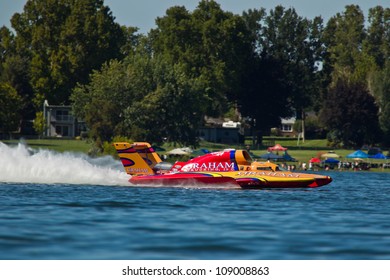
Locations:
column 58, row 145
column 302, row 152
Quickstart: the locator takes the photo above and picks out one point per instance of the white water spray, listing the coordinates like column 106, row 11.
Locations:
column 21, row 164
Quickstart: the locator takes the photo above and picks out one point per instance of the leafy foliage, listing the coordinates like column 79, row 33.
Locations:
column 100, row 103
column 355, row 58
column 173, row 108
column 212, row 47
column 205, row 62
column 283, row 78
column 351, row 114
column 10, row 104
column 381, row 88
column 39, row 123
column 64, row 41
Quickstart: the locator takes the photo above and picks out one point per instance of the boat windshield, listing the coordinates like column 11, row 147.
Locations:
column 280, row 168
column 162, row 167
column 266, row 168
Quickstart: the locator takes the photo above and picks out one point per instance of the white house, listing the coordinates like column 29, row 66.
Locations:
column 287, row 126
column 60, row 122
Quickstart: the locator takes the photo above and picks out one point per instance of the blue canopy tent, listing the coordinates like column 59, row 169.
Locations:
column 287, row 157
column 357, row 154
column 378, row 156
column 331, row 161
column 383, row 160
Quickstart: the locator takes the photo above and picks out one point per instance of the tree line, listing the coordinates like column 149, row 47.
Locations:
column 207, row 62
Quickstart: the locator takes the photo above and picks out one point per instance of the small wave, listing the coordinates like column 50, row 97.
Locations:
column 21, row 164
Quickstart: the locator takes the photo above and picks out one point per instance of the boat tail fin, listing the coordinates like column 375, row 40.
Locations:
column 137, row 158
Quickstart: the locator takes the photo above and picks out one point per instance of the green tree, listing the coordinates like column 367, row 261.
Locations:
column 351, row 115
column 284, row 75
column 14, row 70
column 381, row 88
column 377, row 40
column 212, row 46
column 172, row 109
column 356, row 55
column 65, row 41
column 344, row 36
column 101, row 102
column 266, row 98
column 377, row 46
column 6, row 43
column 39, row 123
column 10, row 104
column 142, row 97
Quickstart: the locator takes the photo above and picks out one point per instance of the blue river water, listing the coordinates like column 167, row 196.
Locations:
column 41, row 218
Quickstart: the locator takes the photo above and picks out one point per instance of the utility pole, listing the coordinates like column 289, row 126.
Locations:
column 303, row 126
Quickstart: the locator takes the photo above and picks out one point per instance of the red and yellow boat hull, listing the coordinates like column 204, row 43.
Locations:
column 237, row 178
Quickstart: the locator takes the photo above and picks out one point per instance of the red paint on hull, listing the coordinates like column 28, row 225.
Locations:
column 180, row 179
column 246, row 183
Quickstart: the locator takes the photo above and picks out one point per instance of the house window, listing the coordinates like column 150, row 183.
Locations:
column 63, row 115
column 287, row 128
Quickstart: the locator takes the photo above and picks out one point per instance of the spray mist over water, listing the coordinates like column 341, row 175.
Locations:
column 21, row 164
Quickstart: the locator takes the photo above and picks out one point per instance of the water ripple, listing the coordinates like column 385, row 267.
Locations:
column 345, row 220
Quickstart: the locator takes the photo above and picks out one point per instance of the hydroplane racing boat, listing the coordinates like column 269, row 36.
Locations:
column 234, row 167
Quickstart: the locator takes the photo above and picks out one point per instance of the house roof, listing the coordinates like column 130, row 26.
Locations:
column 288, row 121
